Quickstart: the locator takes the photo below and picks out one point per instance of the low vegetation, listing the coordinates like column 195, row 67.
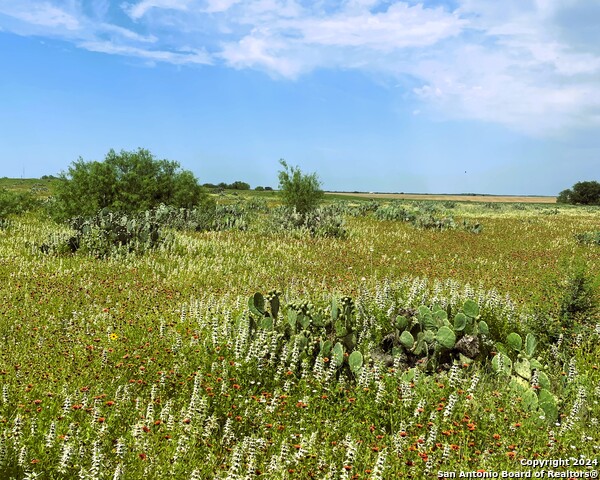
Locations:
column 209, row 341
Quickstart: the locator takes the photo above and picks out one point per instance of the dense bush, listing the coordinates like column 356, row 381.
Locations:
column 579, row 304
column 124, row 182
column 12, row 203
column 299, row 191
column 582, row 193
column 237, row 185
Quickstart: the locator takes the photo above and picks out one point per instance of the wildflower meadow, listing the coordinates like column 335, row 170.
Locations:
column 412, row 339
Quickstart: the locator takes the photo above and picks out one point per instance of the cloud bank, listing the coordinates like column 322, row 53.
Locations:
column 531, row 65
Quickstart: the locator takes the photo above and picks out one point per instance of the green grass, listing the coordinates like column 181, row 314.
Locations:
column 41, row 187
column 142, row 367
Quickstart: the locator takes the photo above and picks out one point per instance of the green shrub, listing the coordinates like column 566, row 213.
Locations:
column 427, row 207
column 301, row 192
column 579, row 303
column 588, row 238
column 124, row 182
column 12, row 203
column 582, row 193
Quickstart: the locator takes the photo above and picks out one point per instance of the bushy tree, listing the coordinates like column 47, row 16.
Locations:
column 125, row 182
column 300, row 191
column 582, row 193
column 239, row 185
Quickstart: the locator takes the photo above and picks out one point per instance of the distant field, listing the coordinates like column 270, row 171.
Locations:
column 42, row 187
column 45, row 187
column 456, row 198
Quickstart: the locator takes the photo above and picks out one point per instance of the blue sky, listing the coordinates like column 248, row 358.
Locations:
column 429, row 96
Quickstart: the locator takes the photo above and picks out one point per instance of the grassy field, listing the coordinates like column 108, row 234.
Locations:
column 41, row 187
column 45, row 188
column 445, row 197
column 157, row 365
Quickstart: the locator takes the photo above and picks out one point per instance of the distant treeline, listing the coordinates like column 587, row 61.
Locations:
column 237, row 185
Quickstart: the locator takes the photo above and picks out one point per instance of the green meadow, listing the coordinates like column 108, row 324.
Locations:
column 400, row 349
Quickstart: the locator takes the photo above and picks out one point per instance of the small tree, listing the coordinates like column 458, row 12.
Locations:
column 239, row 185
column 582, row 193
column 300, row 191
column 126, row 182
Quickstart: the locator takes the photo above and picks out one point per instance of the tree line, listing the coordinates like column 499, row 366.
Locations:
column 237, row 185
column 582, row 193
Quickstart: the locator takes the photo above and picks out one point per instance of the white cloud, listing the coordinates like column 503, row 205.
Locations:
column 298, row 40
column 255, row 51
column 532, row 65
column 138, row 10
column 522, row 73
column 214, row 6
column 40, row 14
column 125, row 33
column 399, row 27
column 178, row 58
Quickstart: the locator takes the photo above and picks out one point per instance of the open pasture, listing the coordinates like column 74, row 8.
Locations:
column 152, row 366
column 448, row 197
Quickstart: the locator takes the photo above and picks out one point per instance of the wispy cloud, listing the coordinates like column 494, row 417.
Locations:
column 400, row 26
column 530, row 65
column 177, row 58
column 42, row 14
column 138, row 10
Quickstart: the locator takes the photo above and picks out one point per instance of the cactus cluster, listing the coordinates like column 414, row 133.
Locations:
column 108, row 233
column 393, row 211
column 323, row 222
column 526, row 375
column 588, row 238
column 424, row 216
column 318, row 333
column 433, row 335
column 208, row 216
